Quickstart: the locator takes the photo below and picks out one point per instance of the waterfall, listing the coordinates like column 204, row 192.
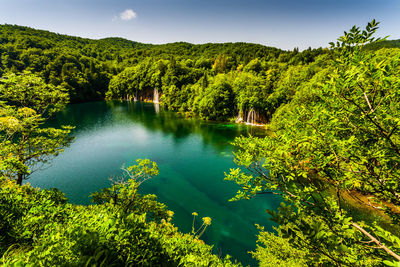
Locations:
column 135, row 97
column 239, row 117
column 156, row 96
column 252, row 117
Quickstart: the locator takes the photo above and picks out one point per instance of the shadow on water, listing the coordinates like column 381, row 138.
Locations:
column 192, row 155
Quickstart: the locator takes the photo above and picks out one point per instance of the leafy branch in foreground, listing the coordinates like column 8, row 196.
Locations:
column 123, row 194
column 26, row 102
column 39, row 228
column 336, row 140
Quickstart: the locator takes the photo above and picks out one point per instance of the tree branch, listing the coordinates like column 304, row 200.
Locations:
column 376, row 241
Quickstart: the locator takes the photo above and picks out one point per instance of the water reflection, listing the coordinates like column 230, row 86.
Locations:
column 154, row 118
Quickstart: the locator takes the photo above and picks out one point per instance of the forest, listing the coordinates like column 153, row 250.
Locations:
column 332, row 150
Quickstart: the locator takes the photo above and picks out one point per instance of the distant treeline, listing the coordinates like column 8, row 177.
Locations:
column 214, row 81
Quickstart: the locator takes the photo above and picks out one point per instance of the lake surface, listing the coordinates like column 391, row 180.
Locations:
column 192, row 155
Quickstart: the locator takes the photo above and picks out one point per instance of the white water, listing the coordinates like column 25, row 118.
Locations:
column 252, row 117
column 156, row 96
column 239, row 117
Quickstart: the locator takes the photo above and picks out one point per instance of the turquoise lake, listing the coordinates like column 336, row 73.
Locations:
column 192, row 155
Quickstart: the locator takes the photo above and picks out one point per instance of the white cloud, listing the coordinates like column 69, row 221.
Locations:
column 128, row 14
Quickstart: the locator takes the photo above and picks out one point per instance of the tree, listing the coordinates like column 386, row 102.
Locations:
column 218, row 99
column 124, row 195
column 25, row 143
column 220, row 64
column 339, row 139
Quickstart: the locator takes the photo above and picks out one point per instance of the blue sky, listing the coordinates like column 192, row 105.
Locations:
column 281, row 23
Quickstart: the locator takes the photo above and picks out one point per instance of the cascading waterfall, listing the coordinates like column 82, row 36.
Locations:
column 156, row 96
column 252, row 117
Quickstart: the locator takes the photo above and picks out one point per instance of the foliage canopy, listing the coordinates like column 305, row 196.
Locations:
column 338, row 138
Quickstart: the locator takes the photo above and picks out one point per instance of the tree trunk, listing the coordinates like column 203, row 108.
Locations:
column 19, row 178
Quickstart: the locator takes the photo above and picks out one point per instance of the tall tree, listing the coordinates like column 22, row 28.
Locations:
column 26, row 144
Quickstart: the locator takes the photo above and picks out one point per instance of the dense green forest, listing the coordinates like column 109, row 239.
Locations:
column 215, row 81
column 230, row 81
column 333, row 120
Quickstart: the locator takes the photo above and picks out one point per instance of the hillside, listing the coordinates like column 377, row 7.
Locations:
column 85, row 67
